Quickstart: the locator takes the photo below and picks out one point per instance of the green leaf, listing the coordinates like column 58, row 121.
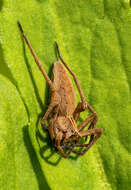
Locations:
column 94, row 39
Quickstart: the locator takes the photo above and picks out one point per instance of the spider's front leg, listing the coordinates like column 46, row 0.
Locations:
column 59, row 147
column 48, row 112
column 92, row 131
column 97, row 132
column 91, row 119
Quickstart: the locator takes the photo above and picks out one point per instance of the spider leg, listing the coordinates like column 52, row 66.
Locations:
column 92, row 119
column 97, row 132
column 59, row 147
column 36, row 58
column 49, row 110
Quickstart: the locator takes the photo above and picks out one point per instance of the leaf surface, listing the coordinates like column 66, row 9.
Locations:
column 95, row 40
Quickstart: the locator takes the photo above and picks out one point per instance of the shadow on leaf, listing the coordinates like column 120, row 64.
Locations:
column 1, row 4
column 35, row 163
